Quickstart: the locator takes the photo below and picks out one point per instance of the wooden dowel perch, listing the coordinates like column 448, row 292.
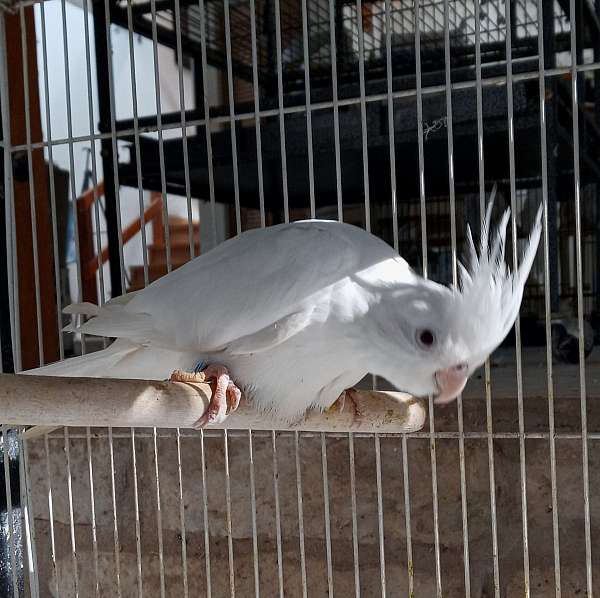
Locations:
column 53, row 401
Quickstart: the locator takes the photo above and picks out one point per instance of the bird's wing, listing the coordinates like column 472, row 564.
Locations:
column 272, row 335
column 249, row 293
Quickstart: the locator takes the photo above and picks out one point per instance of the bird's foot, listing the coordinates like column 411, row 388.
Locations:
column 225, row 398
column 340, row 404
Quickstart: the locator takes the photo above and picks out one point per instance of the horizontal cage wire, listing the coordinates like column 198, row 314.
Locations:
column 138, row 135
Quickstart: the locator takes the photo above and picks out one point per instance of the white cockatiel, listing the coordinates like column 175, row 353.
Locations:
column 300, row 312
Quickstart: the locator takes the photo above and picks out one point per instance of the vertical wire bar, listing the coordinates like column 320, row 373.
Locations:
column 327, row 517
column 308, row 102
column 72, row 161
column 71, row 513
column 136, row 505
column 487, row 375
column 380, row 515
column 492, row 476
column 336, row 111
column 451, row 185
column 255, row 90
column 406, row 483
column 186, row 161
column 355, row 545
column 363, row 114
column 228, row 515
column 161, row 157
column 232, row 123
column 420, row 139
column 365, row 156
column 93, row 512
column 51, row 518
column 29, row 517
column 136, row 143
column 31, row 185
column 286, row 207
column 9, row 512
column 117, row 545
column 547, row 301
column 513, row 202
column 253, row 508
column 161, row 558
column 300, row 515
column 113, row 131
column 161, row 149
column 436, row 530
column 432, row 443
column 205, row 514
column 184, row 570
column 133, row 77
column 12, row 265
column 277, row 513
column 391, row 124
column 93, row 152
column 364, row 144
column 209, row 156
column 14, row 281
column 299, row 492
column 165, row 207
column 579, row 274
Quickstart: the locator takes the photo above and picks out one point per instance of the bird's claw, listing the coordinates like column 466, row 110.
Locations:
column 225, row 398
column 191, row 377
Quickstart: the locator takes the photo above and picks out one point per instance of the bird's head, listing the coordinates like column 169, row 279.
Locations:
column 450, row 332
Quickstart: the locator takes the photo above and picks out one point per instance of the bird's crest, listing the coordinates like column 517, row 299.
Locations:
column 489, row 294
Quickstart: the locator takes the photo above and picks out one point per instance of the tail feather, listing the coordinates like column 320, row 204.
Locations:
column 114, row 321
column 122, row 359
column 98, row 364
column 110, row 320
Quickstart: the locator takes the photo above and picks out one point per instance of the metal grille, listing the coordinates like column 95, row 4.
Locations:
column 154, row 130
column 461, row 22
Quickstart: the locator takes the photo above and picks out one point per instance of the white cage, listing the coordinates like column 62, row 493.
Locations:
column 136, row 134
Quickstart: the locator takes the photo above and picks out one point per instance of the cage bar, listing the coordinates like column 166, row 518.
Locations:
column 579, row 267
column 136, row 505
column 548, row 306
column 253, row 514
column 354, row 515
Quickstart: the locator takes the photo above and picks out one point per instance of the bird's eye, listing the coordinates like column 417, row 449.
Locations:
column 426, row 338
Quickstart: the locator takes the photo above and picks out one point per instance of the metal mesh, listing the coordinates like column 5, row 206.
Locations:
column 461, row 23
column 250, row 113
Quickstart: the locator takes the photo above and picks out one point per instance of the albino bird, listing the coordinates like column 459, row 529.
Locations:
column 298, row 313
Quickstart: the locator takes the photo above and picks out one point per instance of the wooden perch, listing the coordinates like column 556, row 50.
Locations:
column 52, row 401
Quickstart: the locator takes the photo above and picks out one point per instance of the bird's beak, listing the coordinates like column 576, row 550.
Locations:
column 450, row 382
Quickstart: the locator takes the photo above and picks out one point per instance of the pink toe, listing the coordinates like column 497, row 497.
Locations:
column 226, row 396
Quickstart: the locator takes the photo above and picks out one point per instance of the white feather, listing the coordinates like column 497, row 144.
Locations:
column 489, row 292
column 299, row 312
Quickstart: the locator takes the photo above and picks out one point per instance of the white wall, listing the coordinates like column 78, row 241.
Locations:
column 80, row 119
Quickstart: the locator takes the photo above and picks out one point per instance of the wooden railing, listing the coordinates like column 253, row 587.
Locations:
column 87, row 249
